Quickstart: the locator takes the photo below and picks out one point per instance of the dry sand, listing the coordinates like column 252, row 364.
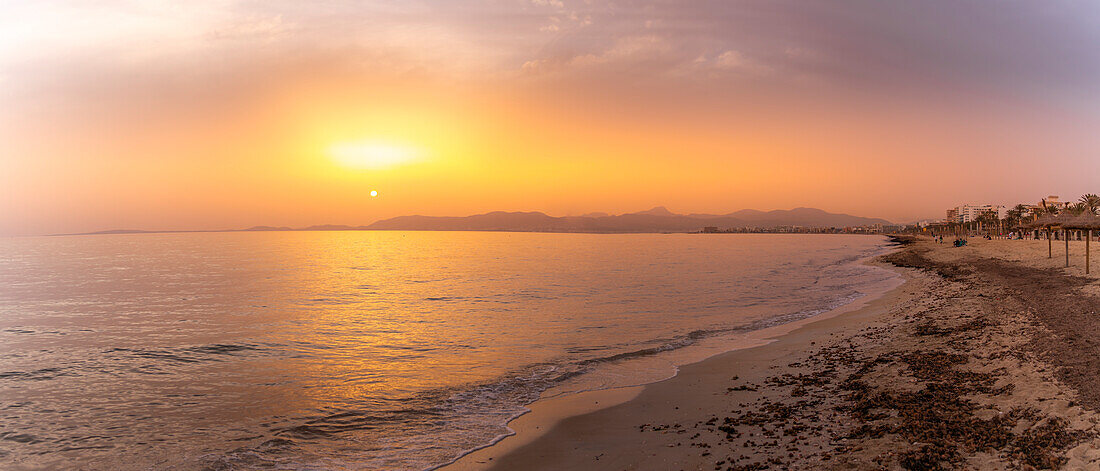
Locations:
column 986, row 358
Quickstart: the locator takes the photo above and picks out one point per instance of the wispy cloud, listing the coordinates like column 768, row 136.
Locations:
column 97, row 72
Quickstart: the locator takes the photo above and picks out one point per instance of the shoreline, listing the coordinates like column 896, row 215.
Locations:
column 972, row 363
column 507, row 231
column 543, row 414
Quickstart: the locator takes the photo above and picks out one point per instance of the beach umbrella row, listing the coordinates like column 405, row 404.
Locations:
column 1087, row 222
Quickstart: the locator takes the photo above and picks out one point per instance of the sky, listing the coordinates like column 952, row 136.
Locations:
column 213, row 114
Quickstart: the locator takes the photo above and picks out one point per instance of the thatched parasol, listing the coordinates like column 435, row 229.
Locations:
column 1063, row 220
column 1087, row 222
column 1049, row 221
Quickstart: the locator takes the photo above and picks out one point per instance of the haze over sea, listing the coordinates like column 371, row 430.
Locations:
column 375, row 350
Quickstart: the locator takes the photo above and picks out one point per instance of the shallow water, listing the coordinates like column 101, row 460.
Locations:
column 364, row 350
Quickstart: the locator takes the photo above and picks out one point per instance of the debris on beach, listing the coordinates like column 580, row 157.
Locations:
column 932, row 390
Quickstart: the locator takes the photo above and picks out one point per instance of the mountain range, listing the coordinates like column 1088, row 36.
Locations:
column 658, row 219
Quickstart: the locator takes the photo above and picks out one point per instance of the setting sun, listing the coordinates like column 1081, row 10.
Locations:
column 372, row 155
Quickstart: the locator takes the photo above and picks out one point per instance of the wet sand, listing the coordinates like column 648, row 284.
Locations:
column 986, row 358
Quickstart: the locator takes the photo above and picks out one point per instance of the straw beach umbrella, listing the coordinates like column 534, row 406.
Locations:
column 1061, row 220
column 1087, row 222
column 1052, row 221
column 1046, row 221
column 1046, row 215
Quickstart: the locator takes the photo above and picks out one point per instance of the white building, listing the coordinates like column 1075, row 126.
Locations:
column 971, row 212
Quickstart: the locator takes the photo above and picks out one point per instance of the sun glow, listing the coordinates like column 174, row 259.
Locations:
column 372, row 155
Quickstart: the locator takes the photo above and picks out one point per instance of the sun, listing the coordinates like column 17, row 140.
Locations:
column 373, row 193
column 371, row 155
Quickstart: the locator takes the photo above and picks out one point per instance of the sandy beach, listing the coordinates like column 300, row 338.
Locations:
column 985, row 358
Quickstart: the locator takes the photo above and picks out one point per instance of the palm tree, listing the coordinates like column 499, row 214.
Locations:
column 1091, row 201
column 1020, row 210
column 988, row 219
column 1048, row 208
column 1014, row 218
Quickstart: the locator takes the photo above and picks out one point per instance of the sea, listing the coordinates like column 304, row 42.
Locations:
column 370, row 350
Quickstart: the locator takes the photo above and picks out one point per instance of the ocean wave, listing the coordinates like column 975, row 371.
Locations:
column 190, row 354
column 480, row 411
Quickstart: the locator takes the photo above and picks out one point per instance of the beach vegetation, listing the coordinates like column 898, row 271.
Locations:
column 1091, row 201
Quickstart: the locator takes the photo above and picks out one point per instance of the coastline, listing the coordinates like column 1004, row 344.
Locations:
column 956, row 368
column 546, row 413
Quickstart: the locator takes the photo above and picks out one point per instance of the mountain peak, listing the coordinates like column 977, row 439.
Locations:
column 805, row 210
column 657, row 211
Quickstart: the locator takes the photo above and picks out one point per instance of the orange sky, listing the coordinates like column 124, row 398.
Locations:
column 219, row 114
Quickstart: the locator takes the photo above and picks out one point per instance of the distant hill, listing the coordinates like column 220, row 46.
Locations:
column 266, row 229
column 331, row 227
column 118, row 231
column 810, row 217
column 658, row 219
column 113, row 231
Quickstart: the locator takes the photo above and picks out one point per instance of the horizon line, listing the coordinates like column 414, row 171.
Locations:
column 348, row 227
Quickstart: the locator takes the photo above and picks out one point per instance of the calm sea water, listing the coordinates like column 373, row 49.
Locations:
column 364, row 350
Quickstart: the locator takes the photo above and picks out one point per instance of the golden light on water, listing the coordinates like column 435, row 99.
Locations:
column 372, row 155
